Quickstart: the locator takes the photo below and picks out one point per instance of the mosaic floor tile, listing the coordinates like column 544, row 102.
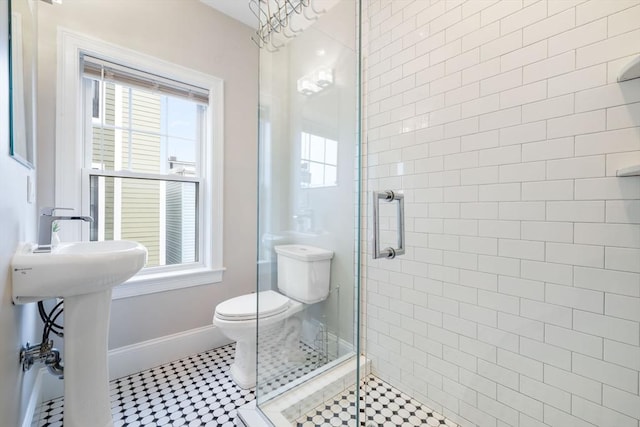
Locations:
column 384, row 406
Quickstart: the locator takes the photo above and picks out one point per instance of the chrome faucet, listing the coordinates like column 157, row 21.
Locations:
column 45, row 226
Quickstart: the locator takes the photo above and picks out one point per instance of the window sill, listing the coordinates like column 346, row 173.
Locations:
column 144, row 284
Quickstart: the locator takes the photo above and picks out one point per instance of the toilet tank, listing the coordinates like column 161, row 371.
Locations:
column 304, row 272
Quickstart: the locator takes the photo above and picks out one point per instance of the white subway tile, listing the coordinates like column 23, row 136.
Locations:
column 624, row 21
column 547, row 190
column 548, row 354
column 546, row 150
column 501, row 229
column 477, row 382
column 547, row 272
column 551, row 26
column 521, row 288
column 459, row 326
column 606, row 50
column 524, row 133
column 577, row 124
column 445, row 115
column 584, row 255
column 520, row 402
column 478, row 314
column 624, row 116
column 499, row 265
column 476, row 416
column 548, row 109
column 500, row 156
column 548, row 231
column 607, row 373
column 481, row 71
column 482, row 105
column 610, row 95
column 546, row 313
column 520, row 19
column 446, row 20
column 574, row 384
column 559, row 6
column 555, row 417
column 524, row 56
column 515, row 362
column 617, row 161
column 600, row 415
column 483, row 175
column 461, row 127
column 480, row 141
column 498, row 374
column 467, row 193
column 499, row 192
column 462, row 94
column 479, row 280
column 523, row 94
column 500, row 302
column 554, row 66
column 624, row 307
column 578, row 298
column 577, row 167
column 622, row 354
column 582, row 79
column 607, row 327
column 606, row 188
column 462, row 294
column 500, row 82
column 581, row 36
column 608, row 142
column 623, row 211
column 441, row 54
column 545, row 393
column 466, row 227
column 446, row 83
column 530, row 211
column 499, row 11
column 574, row 341
column 501, row 118
column 621, row 235
column 618, row 282
column 522, row 172
column 479, row 210
column 462, row 61
column 621, row 401
column 576, row 211
column 592, row 10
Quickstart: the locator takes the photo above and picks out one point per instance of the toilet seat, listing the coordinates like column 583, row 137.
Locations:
column 270, row 303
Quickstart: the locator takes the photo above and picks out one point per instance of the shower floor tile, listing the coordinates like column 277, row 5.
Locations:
column 385, row 406
column 194, row 391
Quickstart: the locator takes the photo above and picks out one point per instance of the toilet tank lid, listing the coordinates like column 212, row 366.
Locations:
column 303, row 252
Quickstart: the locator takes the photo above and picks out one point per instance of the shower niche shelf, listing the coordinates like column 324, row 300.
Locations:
column 630, row 71
column 629, row 171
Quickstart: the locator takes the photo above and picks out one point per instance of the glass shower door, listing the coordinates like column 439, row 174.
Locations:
column 309, row 195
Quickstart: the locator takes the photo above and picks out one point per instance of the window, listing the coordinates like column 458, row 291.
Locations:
column 318, row 161
column 148, row 160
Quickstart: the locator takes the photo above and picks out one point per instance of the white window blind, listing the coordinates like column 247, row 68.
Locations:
column 104, row 70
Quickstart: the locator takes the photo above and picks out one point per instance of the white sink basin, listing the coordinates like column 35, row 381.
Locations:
column 73, row 269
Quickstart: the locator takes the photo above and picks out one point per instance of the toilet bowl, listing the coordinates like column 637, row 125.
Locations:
column 303, row 278
column 237, row 319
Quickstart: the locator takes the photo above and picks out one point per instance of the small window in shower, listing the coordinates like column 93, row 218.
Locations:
column 318, row 161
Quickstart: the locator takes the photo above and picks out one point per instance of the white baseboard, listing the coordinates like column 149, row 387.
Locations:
column 145, row 355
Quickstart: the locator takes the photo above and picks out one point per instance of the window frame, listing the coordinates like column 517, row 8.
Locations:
column 72, row 173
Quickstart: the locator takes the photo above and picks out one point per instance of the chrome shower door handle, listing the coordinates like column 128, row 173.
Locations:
column 388, row 196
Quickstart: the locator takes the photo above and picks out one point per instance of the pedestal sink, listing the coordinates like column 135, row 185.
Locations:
column 83, row 273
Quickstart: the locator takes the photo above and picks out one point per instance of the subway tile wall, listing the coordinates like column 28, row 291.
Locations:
column 518, row 300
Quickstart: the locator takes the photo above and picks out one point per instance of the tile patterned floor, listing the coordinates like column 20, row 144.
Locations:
column 385, row 406
column 194, row 391
column 198, row 391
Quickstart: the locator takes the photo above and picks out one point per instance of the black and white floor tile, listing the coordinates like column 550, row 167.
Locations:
column 194, row 391
column 384, row 406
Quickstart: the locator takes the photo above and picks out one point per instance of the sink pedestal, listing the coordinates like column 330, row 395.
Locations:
column 86, row 370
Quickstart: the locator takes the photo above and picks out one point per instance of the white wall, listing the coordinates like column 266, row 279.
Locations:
column 191, row 34
column 518, row 301
column 17, row 323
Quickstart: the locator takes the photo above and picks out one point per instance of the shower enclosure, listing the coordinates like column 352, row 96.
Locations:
column 309, row 192
column 497, row 144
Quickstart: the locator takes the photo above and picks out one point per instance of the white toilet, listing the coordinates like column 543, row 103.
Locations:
column 303, row 278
